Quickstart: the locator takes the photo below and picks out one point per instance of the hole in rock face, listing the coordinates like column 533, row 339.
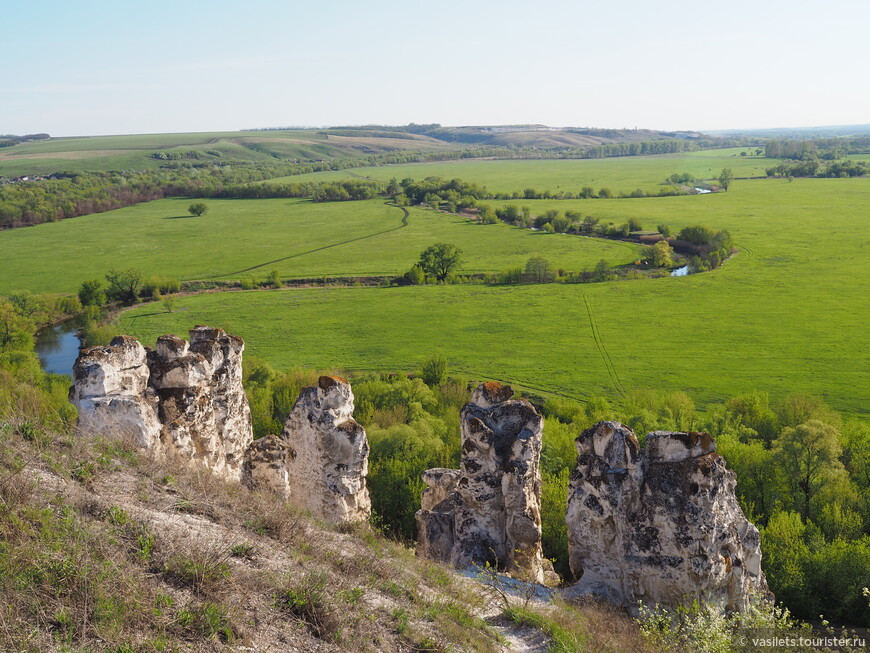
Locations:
column 693, row 488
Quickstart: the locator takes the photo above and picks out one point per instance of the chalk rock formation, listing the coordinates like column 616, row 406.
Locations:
column 266, row 466
column 182, row 399
column 112, row 395
column 327, row 454
column 660, row 525
column 489, row 511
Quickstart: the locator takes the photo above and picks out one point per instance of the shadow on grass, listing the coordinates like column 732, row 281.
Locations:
column 180, row 217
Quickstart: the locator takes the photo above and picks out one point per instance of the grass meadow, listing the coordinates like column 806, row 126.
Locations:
column 620, row 174
column 296, row 237
column 787, row 314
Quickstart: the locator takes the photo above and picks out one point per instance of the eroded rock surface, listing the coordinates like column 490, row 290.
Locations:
column 110, row 389
column 266, row 466
column 489, row 510
column 327, row 453
column 659, row 525
column 182, row 399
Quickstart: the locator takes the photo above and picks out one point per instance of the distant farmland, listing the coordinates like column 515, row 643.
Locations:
column 619, row 173
column 787, row 314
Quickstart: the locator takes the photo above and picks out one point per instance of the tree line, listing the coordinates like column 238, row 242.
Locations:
column 827, row 149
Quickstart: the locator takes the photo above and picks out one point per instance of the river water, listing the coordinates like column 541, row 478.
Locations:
column 58, row 347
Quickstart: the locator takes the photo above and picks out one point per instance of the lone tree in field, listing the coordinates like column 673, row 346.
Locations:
column 725, row 178
column 440, row 260
column 198, row 209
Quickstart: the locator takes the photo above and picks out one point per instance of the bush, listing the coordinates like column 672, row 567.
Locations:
column 91, row 293
column 123, row 285
column 155, row 286
column 415, row 276
column 309, row 601
column 435, row 371
column 197, row 209
column 539, row 270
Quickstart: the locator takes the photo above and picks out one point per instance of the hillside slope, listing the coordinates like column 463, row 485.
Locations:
column 102, row 549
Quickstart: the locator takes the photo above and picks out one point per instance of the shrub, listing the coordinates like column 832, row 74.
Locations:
column 539, row 270
column 308, row 601
column 197, row 209
column 91, row 293
column 435, row 371
column 415, row 276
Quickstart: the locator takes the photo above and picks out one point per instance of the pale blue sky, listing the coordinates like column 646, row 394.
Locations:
column 96, row 67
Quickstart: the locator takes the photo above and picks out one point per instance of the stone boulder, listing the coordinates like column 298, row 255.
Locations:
column 327, row 454
column 182, row 400
column 660, row 525
column 489, row 510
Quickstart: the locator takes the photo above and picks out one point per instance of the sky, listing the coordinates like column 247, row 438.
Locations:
column 93, row 67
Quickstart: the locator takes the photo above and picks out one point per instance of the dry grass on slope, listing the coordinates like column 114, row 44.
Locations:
column 104, row 549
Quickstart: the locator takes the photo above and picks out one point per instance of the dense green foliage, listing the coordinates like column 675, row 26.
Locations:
column 819, row 148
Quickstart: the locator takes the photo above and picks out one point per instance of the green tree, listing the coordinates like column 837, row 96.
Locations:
column 664, row 230
column 275, row 279
column 15, row 329
column 809, row 457
column 198, row 209
column 440, row 260
column 539, row 270
column 725, row 178
column 601, row 271
column 434, row 371
column 123, row 285
column 660, row 254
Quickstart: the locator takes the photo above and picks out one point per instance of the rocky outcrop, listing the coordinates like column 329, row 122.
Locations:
column 111, row 391
column 266, row 466
column 182, row 399
column 659, row 525
column 489, row 510
column 326, row 457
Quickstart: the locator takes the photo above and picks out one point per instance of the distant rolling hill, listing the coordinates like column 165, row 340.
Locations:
column 142, row 151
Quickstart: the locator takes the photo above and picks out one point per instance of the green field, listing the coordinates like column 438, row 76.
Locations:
column 102, row 153
column 787, row 314
column 296, row 237
column 618, row 173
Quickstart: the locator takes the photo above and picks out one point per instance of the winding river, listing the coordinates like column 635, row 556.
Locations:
column 58, row 347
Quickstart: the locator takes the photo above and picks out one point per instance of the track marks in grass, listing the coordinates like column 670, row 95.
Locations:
column 599, row 343
column 404, row 224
